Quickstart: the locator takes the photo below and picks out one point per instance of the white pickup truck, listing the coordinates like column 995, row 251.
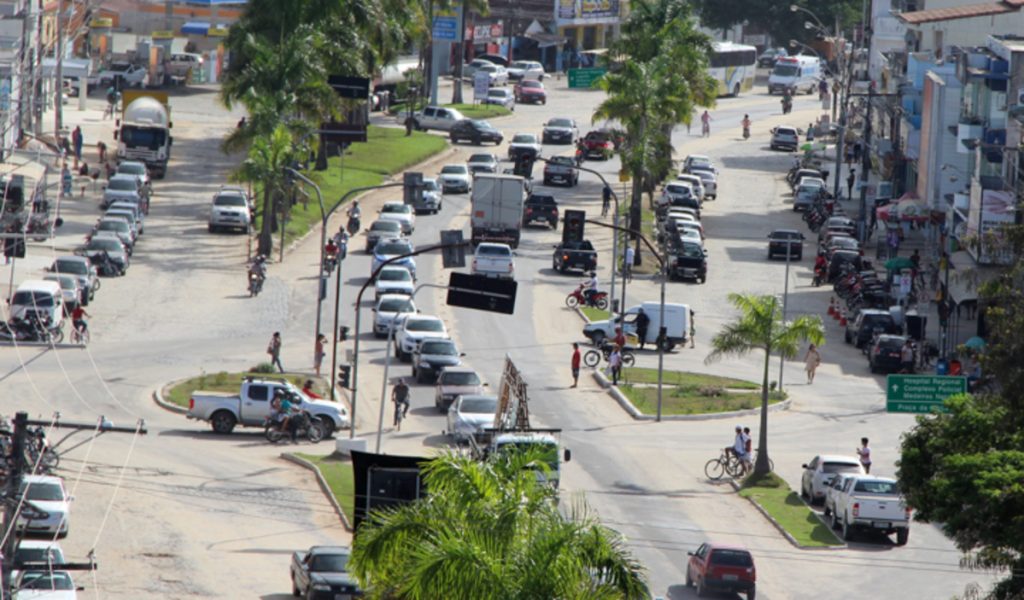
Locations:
column 251, row 406
column 494, row 260
column 863, row 502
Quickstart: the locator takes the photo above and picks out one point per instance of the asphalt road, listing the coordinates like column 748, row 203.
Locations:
column 202, row 515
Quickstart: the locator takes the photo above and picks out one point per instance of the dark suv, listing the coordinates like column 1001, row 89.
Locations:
column 722, row 568
column 688, row 260
column 541, row 207
column 861, row 330
column 474, row 131
column 786, row 241
column 884, row 355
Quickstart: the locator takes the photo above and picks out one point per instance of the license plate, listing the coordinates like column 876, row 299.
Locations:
column 730, row 577
column 880, row 525
column 343, row 597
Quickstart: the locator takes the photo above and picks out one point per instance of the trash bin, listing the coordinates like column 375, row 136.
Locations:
column 942, row 367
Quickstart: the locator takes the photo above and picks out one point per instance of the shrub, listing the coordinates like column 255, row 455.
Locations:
column 263, row 367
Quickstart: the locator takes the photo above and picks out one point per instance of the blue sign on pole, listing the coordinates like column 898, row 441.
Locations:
column 446, row 29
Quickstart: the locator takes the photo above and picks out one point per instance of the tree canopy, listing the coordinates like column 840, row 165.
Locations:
column 492, row 530
column 777, row 19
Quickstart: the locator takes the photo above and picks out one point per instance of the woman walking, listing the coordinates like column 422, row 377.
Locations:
column 615, row 363
column 811, row 361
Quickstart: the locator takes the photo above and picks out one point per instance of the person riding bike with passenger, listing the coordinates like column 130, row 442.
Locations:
column 283, row 409
column 739, row 448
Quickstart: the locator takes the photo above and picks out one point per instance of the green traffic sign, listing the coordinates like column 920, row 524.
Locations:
column 585, row 78
column 921, row 393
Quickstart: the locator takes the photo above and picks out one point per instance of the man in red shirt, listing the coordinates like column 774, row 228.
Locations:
column 78, row 318
column 308, row 391
column 575, row 364
column 620, row 338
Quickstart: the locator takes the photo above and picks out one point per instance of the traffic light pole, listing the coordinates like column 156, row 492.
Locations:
column 13, row 505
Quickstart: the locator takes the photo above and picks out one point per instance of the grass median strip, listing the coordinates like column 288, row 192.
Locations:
column 387, row 151
column 230, row 383
column 481, row 111
column 774, row 495
column 594, row 314
column 338, row 474
column 686, row 393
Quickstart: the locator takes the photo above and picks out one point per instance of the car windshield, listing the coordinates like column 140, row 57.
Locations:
column 424, row 325
column 731, row 558
column 395, row 275
column 388, row 226
column 395, row 305
column 108, row 244
column 494, row 250
column 519, row 64
column 51, row 555
column 329, row 563
column 67, row 282
column 119, row 226
column 704, row 174
column 891, row 343
column 844, row 242
column 875, row 486
column 46, row 580
column 678, row 189
column 785, row 131
column 392, row 248
column 71, row 266
column 560, row 160
column 131, row 169
column 396, row 208
column 785, row 70
column 460, row 378
column 122, row 185
column 124, row 215
column 581, row 245
column 440, row 348
column 481, row 158
column 481, row 125
column 453, row 170
column 786, row 235
column 30, row 298
column 497, row 93
column 431, row 185
column 698, row 161
column 691, row 250
column 839, row 467
column 229, row 201
column 524, row 138
column 44, row 492
column 560, row 123
column 485, row 406
column 529, row 83
column 488, row 68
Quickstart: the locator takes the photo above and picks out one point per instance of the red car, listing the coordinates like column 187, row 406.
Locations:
column 721, row 567
column 531, row 91
column 598, row 144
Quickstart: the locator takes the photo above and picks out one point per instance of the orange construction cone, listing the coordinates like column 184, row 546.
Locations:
column 831, row 307
column 842, row 318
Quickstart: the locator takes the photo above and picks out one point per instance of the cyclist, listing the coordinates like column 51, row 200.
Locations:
column 78, row 320
column 705, row 121
column 739, row 445
column 748, row 448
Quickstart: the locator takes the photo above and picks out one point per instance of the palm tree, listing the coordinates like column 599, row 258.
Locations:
column 761, row 326
column 660, row 75
column 264, row 166
column 492, row 530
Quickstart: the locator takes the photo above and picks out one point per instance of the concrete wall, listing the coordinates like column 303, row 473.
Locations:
column 938, row 145
column 966, row 32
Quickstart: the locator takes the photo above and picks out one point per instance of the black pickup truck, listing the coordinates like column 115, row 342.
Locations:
column 574, row 255
column 541, row 207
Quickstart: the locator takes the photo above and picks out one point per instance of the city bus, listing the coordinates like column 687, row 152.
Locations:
column 733, row 67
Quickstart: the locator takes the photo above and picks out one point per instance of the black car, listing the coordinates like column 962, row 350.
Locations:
column 560, row 131
column 574, row 255
column 862, row 329
column 541, row 207
column 840, row 258
column 688, row 261
column 476, row 131
column 431, row 356
column 884, row 355
column 786, row 241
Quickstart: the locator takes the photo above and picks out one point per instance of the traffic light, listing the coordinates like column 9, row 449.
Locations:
column 413, row 187
column 572, row 227
column 453, row 250
column 524, row 165
column 345, row 376
column 14, row 247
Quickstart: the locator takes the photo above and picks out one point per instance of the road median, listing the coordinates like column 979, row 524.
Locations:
column 773, row 498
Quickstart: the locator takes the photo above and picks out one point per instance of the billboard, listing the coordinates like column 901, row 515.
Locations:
column 587, row 10
column 989, row 211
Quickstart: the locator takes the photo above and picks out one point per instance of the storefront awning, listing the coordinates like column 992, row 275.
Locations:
column 966, row 276
column 547, row 40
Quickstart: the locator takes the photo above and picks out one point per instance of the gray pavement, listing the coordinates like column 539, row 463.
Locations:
column 226, row 512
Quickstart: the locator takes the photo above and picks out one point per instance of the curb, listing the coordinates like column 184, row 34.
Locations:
column 388, row 179
column 628, row 406
column 580, row 313
column 158, row 397
column 780, row 528
column 326, row 489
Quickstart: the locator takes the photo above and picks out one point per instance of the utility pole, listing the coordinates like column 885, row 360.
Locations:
column 14, row 506
column 461, row 44
column 58, row 83
column 865, row 167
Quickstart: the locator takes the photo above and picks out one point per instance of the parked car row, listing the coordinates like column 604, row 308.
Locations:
column 678, row 212
column 38, row 556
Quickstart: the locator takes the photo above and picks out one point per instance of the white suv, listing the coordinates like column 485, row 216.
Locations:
column 230, row 210
column 413, row 330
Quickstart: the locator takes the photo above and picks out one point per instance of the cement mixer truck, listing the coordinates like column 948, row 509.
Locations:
column 144, row 130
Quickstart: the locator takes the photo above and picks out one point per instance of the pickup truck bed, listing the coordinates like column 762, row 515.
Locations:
column 865, row 503
column 541, row 207
column 574, row 255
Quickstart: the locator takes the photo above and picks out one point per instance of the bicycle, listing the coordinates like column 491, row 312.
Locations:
column 594, row 356
column 400, row 409
column 729, row 463
column 80, row 335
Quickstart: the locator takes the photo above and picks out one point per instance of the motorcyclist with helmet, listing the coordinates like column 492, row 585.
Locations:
column 354, row 213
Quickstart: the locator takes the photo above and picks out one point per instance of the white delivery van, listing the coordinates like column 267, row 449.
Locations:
column 43, row 297
column 796, row 72
column 677, row 322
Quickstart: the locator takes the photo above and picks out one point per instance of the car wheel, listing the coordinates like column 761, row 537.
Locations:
column 477, row 141
column 847, row 531
column 847, row 338
column 598, row 339
column 689, row 580
column 803, row 492
column 751, row 592
column 833, row 521
column 902, row 535
column 222, row 422
column 326, row 426
column 701, row 590
column 211, row 228
column 547, row 181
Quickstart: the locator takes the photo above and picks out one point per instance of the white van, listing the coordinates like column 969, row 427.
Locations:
column 796, row 72
column 37, row 295
column 677, row 322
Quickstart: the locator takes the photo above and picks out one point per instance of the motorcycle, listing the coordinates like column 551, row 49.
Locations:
column 255, row 284
column 578, row 296
column 303, row 424
column 746, row 133
column 105, row 265
column 32, row 328
column 353, row 225
column 330, row 259
column 787, row 106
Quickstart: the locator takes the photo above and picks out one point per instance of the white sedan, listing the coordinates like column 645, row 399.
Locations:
column 469, row 415
column 820, row 472
column 526, row 69
column 389, row 308
column 51, row 585
column 47, row 493
column 496, row 74
column 394, row 280
column 413, row 330
column 401, row 212
column 455, row 178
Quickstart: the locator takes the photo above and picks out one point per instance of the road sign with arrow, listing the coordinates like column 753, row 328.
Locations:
column 921, row 393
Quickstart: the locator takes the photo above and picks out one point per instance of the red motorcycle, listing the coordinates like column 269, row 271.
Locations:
column 578, row 296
